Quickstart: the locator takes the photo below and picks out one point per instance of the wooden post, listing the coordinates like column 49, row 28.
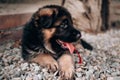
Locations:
column 105, row 14
column 89, row 15
column 114, row 20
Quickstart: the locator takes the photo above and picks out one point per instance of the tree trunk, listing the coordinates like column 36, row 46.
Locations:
column 114, row 20
column 86, row 14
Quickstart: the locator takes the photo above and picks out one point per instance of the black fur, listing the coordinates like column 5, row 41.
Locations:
column 86, row 45
column 49, row 26
column 33, row 39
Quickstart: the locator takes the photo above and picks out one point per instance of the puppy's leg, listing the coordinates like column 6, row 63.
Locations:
column 46, row 60
column 66, row 65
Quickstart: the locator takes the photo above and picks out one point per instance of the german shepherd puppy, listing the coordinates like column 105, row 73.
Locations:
column 42, row 35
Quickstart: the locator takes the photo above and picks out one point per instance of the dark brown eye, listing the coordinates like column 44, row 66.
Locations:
column 64, row 24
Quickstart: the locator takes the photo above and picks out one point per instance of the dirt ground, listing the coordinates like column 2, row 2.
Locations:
column 103, row 63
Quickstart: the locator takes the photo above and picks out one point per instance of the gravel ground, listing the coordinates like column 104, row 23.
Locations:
column 103, row 63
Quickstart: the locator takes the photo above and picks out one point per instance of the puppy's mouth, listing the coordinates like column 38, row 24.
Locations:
column 66, row 45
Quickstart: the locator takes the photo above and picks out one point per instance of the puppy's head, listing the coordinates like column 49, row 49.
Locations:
column 55, row 23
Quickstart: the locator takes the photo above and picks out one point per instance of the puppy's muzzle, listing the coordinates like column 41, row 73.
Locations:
column 76, row 34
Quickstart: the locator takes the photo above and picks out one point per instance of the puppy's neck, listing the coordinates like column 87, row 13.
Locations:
column 49, row 48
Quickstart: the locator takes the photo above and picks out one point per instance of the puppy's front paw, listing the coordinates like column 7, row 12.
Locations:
column 66, row 73
column 66, row 67
column 52, row 65
column 46, row 60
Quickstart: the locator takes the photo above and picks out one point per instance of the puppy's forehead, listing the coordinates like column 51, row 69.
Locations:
column 59, row 20
column 47, row 11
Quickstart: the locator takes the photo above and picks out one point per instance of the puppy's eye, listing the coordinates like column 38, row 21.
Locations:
column 64, row 25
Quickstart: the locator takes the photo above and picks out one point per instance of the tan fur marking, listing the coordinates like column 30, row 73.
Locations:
column 46, row 60
column 45, row 11
column 56, row 11
column 63, row 17
column 48, row 33
column 59, row 21
column 48, row 47
column 66, row 65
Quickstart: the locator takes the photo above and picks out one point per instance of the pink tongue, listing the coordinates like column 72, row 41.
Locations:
column 71, row 49
column 69, row 46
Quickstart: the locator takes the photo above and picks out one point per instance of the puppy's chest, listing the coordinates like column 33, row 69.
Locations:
column 33, row 54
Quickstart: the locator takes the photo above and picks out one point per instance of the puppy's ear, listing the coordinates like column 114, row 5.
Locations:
column 44, row 17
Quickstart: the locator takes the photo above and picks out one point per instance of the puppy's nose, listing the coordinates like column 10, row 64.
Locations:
column 77, row 34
